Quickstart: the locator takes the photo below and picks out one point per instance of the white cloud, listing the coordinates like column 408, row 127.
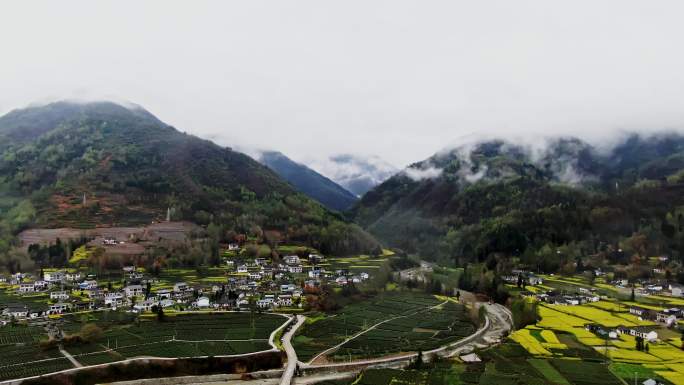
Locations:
column 418, row 174
column 397, row 79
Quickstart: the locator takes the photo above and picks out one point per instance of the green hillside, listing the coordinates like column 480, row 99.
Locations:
column 132, row 169
column 548, row 207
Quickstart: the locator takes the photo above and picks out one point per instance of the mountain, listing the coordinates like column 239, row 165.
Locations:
column 497, row 197
column 357, row 174
column 131, row 168
column 309, row 182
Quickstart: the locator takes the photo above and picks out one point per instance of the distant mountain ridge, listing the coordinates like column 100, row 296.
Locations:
column 358, row 174
column 308, row 181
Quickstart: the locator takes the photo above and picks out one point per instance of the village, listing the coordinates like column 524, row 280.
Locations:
column 246, row 284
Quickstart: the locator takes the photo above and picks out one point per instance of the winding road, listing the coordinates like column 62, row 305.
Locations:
column 498, row 323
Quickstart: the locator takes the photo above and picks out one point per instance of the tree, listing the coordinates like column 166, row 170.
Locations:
column 160, row 313
column 91, row 332
column 632, row 297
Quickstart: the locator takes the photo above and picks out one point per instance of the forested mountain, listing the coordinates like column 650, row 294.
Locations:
column 308, row 181
column 548, row 204
column 83, row 165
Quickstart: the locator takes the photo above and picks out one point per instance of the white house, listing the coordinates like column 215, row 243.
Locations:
column 233, row 247
column 265, row 303
column 59, row 308
column 59, row 295
column 255, row 275
column 133, row 290
column 285, row 300
column 164, row 294
column 341, row 280
column 113, row 299
column 291, row 259
column 27, row 288
column 145, row 305
column 54, row 276
column 88, row 285
column 180, row 287
column 242, row 269
column 295, row 269
column 203, row 302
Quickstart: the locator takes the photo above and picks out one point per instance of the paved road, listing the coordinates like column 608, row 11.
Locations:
column 70, row 357
column 292, row 360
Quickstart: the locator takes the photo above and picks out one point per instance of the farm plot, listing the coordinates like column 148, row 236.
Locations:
column 423, row 331
column 185, row 336
column 34, row 368
column 327, row 332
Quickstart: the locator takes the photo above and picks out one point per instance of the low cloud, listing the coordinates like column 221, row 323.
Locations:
column 418, row 174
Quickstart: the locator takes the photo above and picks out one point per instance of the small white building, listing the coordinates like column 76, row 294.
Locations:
column 291, row 260
column 203, row 302
column 294, row 269
column 59, row 308
column 180, row 287
column 59, row 295
column 133, row 290
column 54, row 276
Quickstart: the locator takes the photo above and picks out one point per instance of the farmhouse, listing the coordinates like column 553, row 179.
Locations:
column 145, row 305
column 113, row 299
column 133, row 290
column 676, row 290
column 16, row 311
column 26, row 288
column 54, row 276
column 59, row 295
column 203, row 302
column 668, row 316
column 180, row 287
column 646, row 333
column 291, row 260
column 59, row 308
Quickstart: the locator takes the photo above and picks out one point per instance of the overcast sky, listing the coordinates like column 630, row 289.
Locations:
column 396, row 79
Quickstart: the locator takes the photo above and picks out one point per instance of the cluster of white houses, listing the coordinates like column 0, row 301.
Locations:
column 258, row 283
column 648, row 333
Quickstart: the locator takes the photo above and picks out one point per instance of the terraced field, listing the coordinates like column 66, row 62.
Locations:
column 423, row 331
column 187, row 335
column 325, row 333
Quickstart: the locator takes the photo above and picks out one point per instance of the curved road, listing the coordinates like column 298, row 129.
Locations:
column 286, row 379
column 498, row 323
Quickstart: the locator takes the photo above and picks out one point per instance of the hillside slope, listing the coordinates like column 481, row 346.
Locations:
column 309, row 182
column 500, row 197
column 131, row 169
